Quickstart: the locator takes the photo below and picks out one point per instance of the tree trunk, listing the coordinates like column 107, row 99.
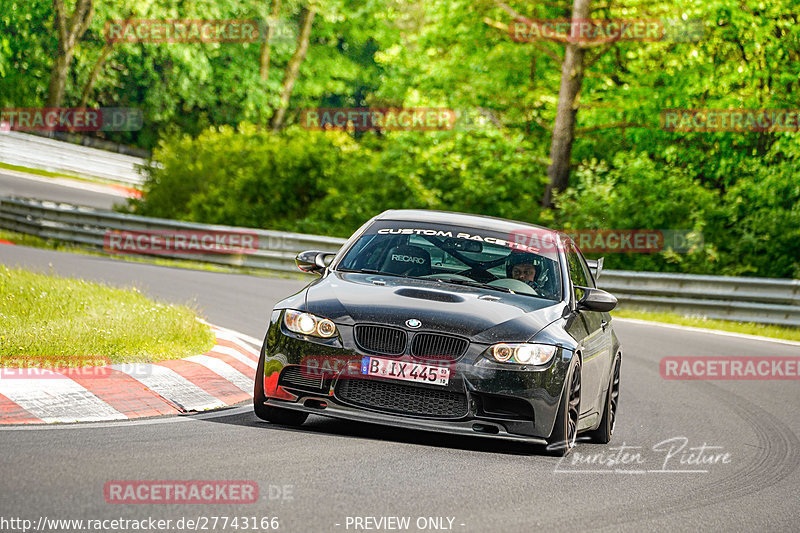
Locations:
column 293, row 67
column 58, row 78
column 68, row 30
column 98, row 67
column 266, row 46
column 564, row 126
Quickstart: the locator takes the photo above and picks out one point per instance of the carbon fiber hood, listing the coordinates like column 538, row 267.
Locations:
column 482, row 315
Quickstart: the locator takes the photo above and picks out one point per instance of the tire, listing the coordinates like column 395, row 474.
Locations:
column 285, row 417
column 603, row 433
column 565, row 430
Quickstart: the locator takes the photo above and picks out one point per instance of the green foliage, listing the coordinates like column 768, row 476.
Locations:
column 751, row 229
column 324, row 182
column 27, row 45
column 245, row 178
column 762, row 215
column 481, row 173
column 635, row 192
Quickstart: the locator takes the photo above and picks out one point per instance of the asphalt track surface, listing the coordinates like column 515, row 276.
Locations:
column 340, row 469
column 58, row 190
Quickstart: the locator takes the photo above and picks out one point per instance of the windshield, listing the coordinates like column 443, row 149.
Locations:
column 455, row 255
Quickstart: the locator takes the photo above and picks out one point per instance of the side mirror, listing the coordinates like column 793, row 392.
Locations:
column 596, row 266
column 596, row 300
column 312, row 261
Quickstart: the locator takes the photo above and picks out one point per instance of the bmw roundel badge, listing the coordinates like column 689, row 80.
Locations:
column 413, row 323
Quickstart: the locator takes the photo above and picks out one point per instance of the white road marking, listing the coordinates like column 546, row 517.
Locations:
column 171, row 385
column 224, row 370
column 236, row 354
column 57, row 399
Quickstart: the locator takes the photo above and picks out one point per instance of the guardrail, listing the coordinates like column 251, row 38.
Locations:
column 762, row 300
column 32, row 151
column 273, row 250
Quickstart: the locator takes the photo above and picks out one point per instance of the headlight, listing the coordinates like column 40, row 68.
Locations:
column 523, row 353
column 502, row 352
column 309, row 324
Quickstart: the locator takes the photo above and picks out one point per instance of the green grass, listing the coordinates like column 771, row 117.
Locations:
column 36, row 171
column 749, row 328
column 49, row 318
column 26, row 240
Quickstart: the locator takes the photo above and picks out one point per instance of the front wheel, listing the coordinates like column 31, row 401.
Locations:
column 275, row 415
column 602, row 435
column 565, row 430
column 284, row 417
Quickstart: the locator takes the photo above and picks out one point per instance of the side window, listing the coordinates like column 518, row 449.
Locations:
column 576, row 272
column 369, row 252
column 587, row 272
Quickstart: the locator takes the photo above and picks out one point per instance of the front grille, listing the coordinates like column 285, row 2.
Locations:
column 381, row 339
column 402, row 399
column 431, row 345
column 295, row 377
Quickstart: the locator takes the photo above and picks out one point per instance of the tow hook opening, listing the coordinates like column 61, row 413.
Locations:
column 315, row 404
column 485, row 428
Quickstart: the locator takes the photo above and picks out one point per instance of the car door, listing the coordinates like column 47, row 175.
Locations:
column 595, row 344
column 604, row 320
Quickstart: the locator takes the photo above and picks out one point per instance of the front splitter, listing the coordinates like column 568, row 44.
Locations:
column 455, row 427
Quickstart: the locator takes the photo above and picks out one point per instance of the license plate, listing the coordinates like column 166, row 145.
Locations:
column 405, row 370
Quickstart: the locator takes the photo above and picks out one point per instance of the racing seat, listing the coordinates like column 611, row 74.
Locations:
column 407, row 260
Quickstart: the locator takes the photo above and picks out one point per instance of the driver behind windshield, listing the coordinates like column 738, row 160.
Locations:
column 522, row 267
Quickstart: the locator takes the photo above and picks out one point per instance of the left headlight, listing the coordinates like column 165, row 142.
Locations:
column 522, row 353
column 308, row 324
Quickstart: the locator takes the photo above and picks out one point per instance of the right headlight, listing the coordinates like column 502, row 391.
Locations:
column 524, row 353
column 308, row 324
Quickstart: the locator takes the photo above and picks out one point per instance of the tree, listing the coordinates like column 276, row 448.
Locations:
column 564, row 125
column 68, row 29
column 266, row 46
column 293, row 67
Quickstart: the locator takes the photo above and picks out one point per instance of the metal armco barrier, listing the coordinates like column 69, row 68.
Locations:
column 83, row 225
column 41, row 153
column 762, row 300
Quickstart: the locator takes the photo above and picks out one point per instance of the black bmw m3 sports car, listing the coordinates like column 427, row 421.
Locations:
column 447, row 322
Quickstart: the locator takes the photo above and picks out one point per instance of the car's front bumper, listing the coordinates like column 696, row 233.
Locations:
column 476, row 427
column 501, row 401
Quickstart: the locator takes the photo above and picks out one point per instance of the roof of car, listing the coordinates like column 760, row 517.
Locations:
column 458, row 219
